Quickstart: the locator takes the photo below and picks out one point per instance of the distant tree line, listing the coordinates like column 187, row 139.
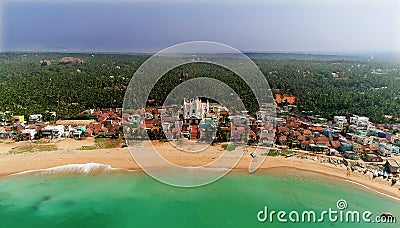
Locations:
column 101, row 81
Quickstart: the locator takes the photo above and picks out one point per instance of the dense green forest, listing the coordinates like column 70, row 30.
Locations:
column 327, row 86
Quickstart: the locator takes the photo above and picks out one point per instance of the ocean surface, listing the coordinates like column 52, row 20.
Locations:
column 133, row 199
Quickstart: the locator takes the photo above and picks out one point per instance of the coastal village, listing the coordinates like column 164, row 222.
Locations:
column 351, row 141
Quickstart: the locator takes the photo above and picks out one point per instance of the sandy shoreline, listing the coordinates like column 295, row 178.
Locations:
column 69, row 153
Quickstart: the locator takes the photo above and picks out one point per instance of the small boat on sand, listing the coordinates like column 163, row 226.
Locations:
column 291, row 154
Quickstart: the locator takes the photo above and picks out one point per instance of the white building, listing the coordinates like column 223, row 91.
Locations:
column 360, row 121
column 35, row 118
column 54, row 132
column 28, row 134
column 194, row 108
column 148, row 115
column 339, row 119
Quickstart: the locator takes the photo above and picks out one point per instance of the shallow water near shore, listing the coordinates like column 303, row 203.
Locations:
column 136, row 200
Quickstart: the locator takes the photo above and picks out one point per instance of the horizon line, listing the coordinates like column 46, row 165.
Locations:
column 344, row 53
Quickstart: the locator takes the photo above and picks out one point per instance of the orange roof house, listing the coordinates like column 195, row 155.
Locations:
column 301, row 138
column 288, row 98
column 335, row 144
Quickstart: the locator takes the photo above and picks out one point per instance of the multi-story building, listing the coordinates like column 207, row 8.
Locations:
column 339, row 119
column 359, row 121
column 195, row 108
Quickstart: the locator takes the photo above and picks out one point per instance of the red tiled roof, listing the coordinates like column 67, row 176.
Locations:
column 289, row 99
column 335, row 144
column 283, row 129
column 269, row 127
column 194, row 131
column 278, row 98
column 296, row 133
column 373, row 146
column 305, row 142
column 316, row 128
column 223, row 112
column 39, row 128
column 89, row 131
column 301, row 138
column 322, row 138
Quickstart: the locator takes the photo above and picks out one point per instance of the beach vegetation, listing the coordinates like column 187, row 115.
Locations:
column 34, row 148
column 228, row 147
column 104, row 143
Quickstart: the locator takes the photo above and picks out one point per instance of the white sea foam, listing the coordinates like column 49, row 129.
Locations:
column 353, row 182
column 216, row 169
column 85, row 169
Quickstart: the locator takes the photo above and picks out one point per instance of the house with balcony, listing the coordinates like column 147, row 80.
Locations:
column 53, row 132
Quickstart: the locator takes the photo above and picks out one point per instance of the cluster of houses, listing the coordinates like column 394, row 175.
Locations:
column 202, row 120
column 354, row 138
column 103, row 123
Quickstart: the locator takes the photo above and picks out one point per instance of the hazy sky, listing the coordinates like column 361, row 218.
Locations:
column 148, row 26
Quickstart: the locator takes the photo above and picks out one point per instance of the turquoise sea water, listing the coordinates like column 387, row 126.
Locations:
column 136, row 200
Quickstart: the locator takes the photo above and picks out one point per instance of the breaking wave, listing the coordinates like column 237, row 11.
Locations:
column 85, row 169
column 364, row 186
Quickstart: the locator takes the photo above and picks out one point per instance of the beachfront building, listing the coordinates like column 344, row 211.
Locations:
column 28, row 134
column 319, row 148
column 78, row 132
column 194, row 112
column 392, row 166
column 53, row 132
column 351, row 155
column 371, row 157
